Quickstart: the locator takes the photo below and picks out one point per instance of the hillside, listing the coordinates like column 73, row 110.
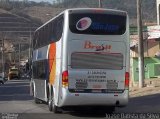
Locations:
column 44, row 12
column 148, row 7
column 39, row 13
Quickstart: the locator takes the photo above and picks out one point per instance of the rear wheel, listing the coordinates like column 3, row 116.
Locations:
column 49, row 96
column 55, row 109
column 37, row 101
column 31, row 89
column 51, row 104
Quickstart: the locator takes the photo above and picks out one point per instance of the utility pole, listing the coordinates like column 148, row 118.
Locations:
column 30, row 49
column 19, row 56
column 140, row 45
column 100, row 3
column 2, row 49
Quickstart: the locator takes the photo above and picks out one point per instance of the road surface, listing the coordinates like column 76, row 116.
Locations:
column 15, row 101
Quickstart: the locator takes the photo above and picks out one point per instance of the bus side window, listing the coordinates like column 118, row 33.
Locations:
column 52, row 34
column 35, row 39
column 40, row 72
column 34, row 70
column 59, row 27
column 48, row 33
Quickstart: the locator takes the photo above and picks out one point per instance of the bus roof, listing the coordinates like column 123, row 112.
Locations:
column 81, row 9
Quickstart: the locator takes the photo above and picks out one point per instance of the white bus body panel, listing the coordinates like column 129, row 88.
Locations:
column 40, row 84
column 76, row 44
column 71, row 43
column 93, row 99
column 40, row 89
column 57, row 85
column 103, row 74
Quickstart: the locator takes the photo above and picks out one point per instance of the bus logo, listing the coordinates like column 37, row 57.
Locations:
column 100, row 48
column 83, row 23
column 90, row 45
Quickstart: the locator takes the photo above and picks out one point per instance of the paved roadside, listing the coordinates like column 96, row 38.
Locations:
column 136, row 92
column 151, row 87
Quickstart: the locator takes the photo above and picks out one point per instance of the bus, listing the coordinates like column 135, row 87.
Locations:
column 81, row 59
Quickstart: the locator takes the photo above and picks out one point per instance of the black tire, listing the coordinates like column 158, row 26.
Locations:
column 37, row 101
column 55, row 109
column 49, row 96
column 51, row 105
column 50, row 102
column 31, row 90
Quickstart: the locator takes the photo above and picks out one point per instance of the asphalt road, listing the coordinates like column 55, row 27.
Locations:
column 16, row 103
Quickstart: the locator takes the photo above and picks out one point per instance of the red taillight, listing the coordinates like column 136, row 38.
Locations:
column 65, row 78
column 127, row 80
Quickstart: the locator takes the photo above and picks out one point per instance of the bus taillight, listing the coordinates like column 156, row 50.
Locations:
column 65, row 78
column 126, row 80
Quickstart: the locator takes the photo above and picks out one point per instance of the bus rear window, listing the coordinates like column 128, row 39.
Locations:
column 97, row 24
column 96, row 61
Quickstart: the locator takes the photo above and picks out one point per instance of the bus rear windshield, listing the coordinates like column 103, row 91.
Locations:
column 97, row 24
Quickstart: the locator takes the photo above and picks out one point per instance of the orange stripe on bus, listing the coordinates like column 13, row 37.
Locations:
column 52, row 63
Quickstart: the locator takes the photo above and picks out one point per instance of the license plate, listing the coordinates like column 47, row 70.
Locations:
column 96, row 91
column 111, row 84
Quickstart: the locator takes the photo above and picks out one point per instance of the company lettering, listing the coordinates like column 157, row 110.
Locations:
column 90, row 45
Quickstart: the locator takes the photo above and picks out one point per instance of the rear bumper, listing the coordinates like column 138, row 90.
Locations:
column 93, row 99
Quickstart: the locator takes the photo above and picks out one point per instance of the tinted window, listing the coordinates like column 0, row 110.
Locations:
column 35, row 39
column 40, row 70
column 97, row 23
column 51, row 32
column 56, row 29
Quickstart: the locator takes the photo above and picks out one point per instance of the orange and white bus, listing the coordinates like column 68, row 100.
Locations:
column 81, row 58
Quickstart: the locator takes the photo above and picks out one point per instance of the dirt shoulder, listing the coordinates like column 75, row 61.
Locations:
column 144, row 91
column 151, row 87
